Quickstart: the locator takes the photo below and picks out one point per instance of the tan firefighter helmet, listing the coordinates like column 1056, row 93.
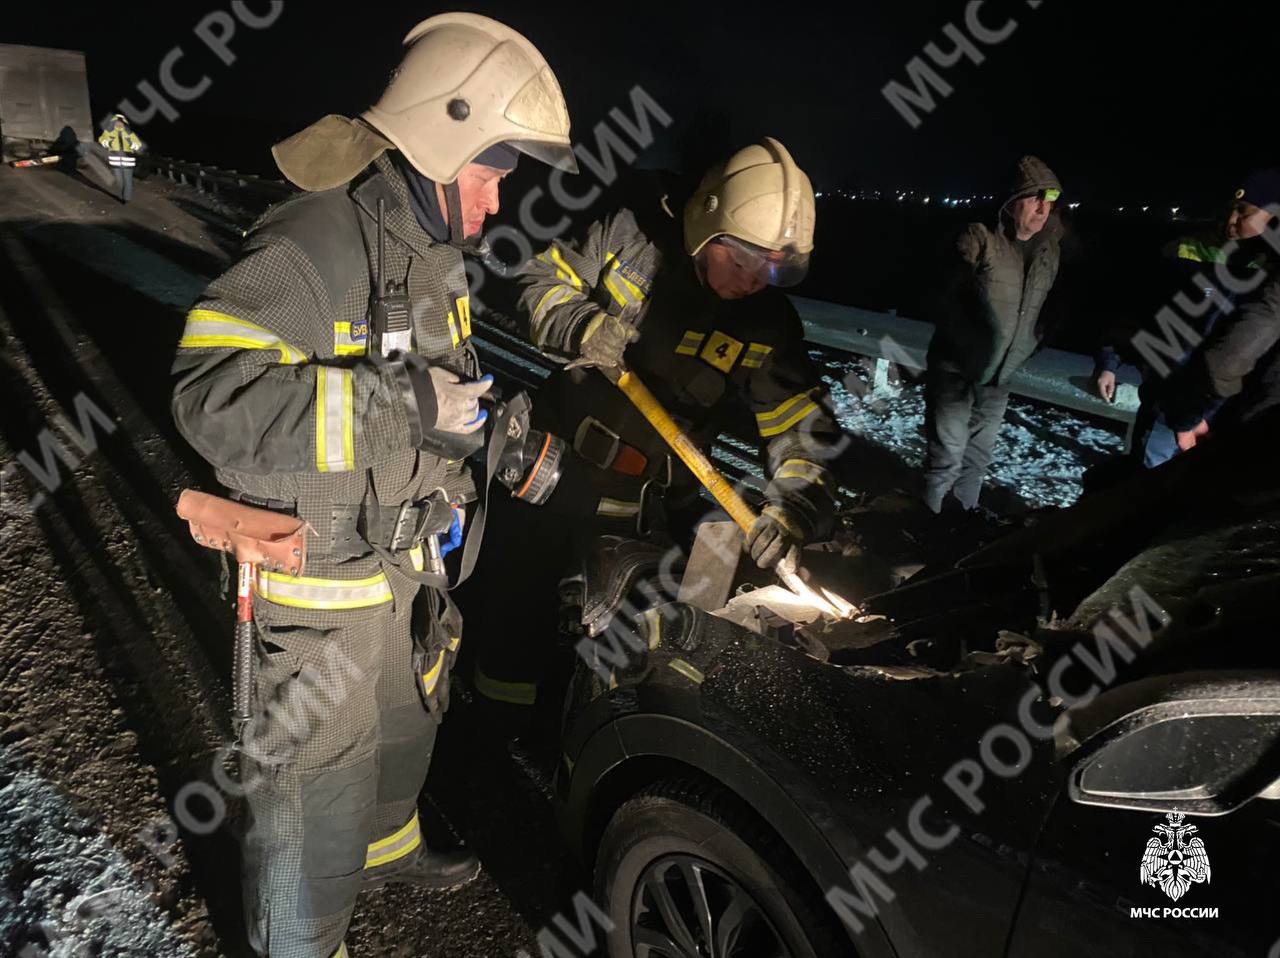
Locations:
column 466, row 83
column 763, row 201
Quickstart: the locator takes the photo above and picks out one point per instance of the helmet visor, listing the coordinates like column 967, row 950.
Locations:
column 557, row 155
column 784, row 267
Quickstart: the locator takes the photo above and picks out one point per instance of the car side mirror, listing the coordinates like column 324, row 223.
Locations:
column 1197, row 744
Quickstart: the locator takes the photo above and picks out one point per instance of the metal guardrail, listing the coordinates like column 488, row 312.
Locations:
column 1052, row 376
column 516, row 360
column 215, row 181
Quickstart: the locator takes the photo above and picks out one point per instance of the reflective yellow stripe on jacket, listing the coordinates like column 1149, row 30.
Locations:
column 624, row 292
column 207, row 329
column 688, row 345
column 335, row 420
column 460, row 329
column 802, row 469
column 570, row 287
column 563, row 270
column 756, row 355
column 303, row 592
column 344, row 345
column 778, row 420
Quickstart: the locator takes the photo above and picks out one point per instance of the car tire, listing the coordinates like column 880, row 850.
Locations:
column 677, row 836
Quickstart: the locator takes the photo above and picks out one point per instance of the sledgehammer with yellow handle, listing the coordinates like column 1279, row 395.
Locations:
column 788, row 569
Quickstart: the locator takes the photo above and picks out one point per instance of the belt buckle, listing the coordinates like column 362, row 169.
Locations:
column 399, row 540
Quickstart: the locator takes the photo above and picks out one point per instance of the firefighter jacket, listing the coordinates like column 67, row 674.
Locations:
column 122, row 145
column 706, row 359
column 276, row 388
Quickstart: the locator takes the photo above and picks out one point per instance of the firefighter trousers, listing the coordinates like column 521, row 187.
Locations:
column 345, row 721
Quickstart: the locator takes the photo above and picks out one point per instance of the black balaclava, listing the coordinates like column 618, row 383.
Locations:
column 426, row 206
column 422, row 197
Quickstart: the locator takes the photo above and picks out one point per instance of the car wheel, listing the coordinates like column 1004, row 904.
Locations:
column 686, row 871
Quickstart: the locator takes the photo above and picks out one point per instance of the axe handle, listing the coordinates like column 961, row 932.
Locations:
column 713, row 479
column 242, row 652
column 689, row 454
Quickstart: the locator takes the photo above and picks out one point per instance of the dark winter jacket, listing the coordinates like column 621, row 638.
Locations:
column 1186, row 276
column 1240, row 361
column 990, row 325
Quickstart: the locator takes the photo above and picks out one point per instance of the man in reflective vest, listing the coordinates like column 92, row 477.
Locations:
column 1190, row 264
column 122, row 146
column 328, row 374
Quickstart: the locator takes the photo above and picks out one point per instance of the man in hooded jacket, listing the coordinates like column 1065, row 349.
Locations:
column 990, row 327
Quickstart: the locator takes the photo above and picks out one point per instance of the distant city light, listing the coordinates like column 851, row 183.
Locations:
column 952, row 202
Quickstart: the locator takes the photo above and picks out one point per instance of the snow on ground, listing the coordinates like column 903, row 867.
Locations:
column 1039, row 458
column 77, row 896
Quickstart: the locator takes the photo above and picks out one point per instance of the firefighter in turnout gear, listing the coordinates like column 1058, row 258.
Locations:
column 329, row 374
column 122, row 146
column 709, row 332
column 700, row 318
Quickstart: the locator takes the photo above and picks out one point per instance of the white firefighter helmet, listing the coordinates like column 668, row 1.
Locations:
column 760, row 202
column 466, row 83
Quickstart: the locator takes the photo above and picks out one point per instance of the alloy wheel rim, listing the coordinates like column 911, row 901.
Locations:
column 685, row 907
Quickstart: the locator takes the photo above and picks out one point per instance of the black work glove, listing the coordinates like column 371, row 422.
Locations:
column 773, row 534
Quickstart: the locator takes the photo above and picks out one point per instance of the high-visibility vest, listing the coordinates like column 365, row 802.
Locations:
column 122, row 144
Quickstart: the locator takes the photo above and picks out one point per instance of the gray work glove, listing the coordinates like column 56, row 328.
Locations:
column 604, row 339
column 444, row 402
column 457, row 402
column 773, row 535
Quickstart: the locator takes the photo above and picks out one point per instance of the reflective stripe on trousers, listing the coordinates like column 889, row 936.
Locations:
column 396, row 846
column 303, row 592
column 513, row 693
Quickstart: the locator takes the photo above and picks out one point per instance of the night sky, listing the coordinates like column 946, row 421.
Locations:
column 1129, row 102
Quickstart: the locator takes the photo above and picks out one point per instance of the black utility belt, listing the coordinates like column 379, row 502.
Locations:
column 357, row 528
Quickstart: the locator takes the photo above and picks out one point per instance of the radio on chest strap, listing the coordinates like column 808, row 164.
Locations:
column 391, row 323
